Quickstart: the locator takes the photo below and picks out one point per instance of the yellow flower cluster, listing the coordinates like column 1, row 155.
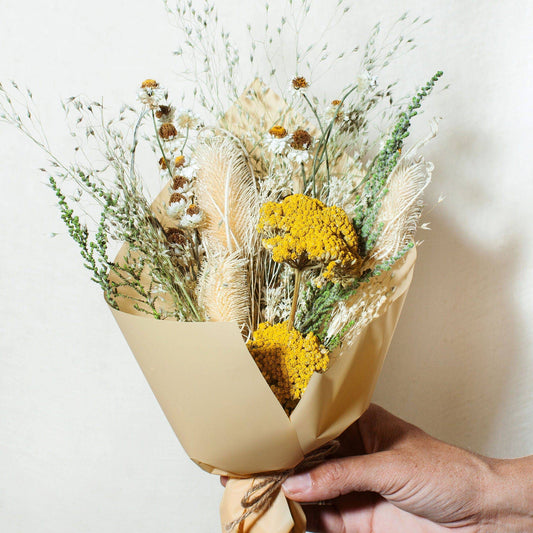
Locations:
column 302, row 231
column 287, row 359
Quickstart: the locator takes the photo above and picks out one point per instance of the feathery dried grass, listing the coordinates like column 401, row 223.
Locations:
column 401, row 208
column 361, row 308
column 227, row 195
column 223, row 289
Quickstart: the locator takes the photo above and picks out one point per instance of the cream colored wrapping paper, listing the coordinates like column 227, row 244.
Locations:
column 224, row 413
column 214, row 396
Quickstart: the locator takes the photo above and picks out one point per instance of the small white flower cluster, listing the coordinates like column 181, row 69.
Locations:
column 299, row 156
column 295, row 146
column 277, row 184
column 181, row 204
column 277, row 145
column 151, row 94
column 278, row 299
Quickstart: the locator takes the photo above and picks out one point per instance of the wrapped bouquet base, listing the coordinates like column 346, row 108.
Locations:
column 227, row 417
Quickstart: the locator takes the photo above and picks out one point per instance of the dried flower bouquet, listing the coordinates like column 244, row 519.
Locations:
column 284, row 224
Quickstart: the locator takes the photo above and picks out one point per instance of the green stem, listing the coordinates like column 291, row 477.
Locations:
column 161, row 146
column 317, row 162
column 313, row 109
column 304, row 188
column 185, row 142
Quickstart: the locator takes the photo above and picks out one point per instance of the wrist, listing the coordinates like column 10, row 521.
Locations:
column 510, row 495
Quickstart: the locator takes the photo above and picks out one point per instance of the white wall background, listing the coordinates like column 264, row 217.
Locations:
column 83, row 444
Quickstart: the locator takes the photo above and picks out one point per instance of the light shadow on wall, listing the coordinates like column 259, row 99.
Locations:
column 451, row 360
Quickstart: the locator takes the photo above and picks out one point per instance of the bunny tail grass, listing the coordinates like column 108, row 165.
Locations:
column 223, row 289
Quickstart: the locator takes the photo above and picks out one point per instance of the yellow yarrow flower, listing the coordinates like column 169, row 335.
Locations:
column 302, row 232
column 287, row 359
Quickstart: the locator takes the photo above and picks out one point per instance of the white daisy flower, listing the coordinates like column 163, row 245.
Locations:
column 298, row 85
column 177, row 204
column 334, row 111
column 192, row 217
column 189, row 171
column 186, row 119
column 182, row 185
column 276, row 145
column 299, row 156
column 277, row 140
column 151, row 94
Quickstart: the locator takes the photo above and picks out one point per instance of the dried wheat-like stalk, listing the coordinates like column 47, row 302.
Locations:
column 227, row 195
column 401, row 208
column 223, row 288
column 361, row 308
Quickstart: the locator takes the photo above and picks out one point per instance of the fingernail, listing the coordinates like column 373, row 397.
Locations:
column 297, row 484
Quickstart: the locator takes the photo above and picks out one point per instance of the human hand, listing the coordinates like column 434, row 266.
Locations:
column 391, row 477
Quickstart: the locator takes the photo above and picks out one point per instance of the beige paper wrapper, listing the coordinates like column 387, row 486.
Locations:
column 223, row 411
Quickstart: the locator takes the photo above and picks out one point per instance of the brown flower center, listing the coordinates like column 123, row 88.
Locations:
column 176, row 197
column 300, row 83
column 176, row 236
column 336, row 102
column 180, row 182
column 179, row 161
column 168, row 131
column 301, row 140
column 162, row 111
column 193, row 210
column 162, row 163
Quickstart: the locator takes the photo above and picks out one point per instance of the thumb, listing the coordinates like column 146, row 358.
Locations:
column 378, row 472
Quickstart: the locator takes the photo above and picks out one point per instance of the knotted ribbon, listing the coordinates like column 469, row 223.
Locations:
column 262, row 494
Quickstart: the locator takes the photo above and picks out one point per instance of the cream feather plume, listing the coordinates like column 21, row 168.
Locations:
column 227, row 195
column 401, row 208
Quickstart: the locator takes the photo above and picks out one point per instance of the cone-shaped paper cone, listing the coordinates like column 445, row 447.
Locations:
column 221, row 408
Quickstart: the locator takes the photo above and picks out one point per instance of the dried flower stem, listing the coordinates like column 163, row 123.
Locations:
column 294, row 307
column 167, row 164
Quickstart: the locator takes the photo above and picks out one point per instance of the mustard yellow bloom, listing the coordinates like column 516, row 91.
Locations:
column 179, row 161
column 287, row 359
column 299, row 83
column 302, row 232
column 278, row 132
column 149, row 84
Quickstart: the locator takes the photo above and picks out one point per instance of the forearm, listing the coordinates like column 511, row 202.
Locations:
column 510, row 501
